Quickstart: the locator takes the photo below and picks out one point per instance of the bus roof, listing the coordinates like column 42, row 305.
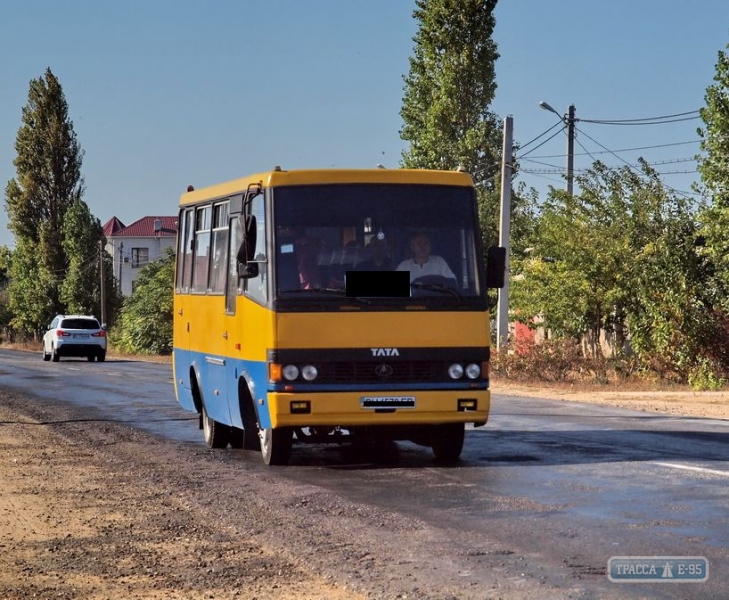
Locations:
column 278, row 177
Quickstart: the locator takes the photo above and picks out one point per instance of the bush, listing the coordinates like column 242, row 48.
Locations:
column 558, row 360
column 706, row 376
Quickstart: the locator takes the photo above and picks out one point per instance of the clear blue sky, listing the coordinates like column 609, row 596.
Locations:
column 166, row 93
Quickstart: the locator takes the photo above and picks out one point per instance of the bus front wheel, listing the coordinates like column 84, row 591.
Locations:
column 447, row 441
column 276, row 445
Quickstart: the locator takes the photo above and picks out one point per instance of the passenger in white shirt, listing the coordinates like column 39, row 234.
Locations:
column 423, row 262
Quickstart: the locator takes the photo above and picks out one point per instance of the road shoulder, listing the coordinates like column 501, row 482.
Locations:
column 681, row 403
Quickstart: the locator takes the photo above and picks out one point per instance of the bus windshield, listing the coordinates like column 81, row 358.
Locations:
column 421, row 236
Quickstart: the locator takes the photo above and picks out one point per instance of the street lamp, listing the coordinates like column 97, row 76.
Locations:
column 569, row 120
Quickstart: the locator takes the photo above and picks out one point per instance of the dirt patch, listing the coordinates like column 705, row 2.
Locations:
column 99, row 520
column 674, row 401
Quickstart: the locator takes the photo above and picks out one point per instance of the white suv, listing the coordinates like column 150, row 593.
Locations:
column 74, row 335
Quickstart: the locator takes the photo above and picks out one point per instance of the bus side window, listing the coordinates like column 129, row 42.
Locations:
column 232, row 289
column 219, row 249
column 256, row 286
column 201, row 255
column 184, row 251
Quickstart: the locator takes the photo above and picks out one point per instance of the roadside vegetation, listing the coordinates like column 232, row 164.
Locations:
column 626, row 279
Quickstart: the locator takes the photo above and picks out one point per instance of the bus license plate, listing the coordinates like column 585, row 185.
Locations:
column 388, row 402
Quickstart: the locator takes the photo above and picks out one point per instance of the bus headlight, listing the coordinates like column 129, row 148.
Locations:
column 473, row 371
column 309, row 372
column 290, row 372
column 455, row 371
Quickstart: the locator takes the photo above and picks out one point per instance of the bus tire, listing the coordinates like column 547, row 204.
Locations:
column 276, row 445
column 237, row 438
column 216, row 434
column 447, row 441
column 251, row 440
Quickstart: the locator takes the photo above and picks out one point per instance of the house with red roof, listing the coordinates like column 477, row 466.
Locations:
column 133, row 246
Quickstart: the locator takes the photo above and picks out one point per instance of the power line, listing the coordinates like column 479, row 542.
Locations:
column 647, row 120
column 627, row 163
column 624, row 149
column 595, row 122
column 555, row 134
column 522, row 147
column 657, row 163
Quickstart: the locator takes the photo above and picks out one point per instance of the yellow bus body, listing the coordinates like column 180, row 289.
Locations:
column 226, row 343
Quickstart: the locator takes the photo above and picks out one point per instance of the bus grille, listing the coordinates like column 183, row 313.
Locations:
column 398, row 372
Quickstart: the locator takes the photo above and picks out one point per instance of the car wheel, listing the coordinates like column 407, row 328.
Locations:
column 101, row 356
column 46, row 356
column 54, row 354
column 90, row 358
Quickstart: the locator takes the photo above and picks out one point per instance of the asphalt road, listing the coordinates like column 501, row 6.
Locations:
column 544, row 494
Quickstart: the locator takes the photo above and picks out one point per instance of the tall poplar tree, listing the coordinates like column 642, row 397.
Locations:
column 81, row 288
column 48, row 181
column 450, row 87
column 448, row 91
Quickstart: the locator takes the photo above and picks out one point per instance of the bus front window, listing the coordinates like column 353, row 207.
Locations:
column 324, row 231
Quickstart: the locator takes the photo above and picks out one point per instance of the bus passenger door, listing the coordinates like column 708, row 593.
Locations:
column 232, row 290
column 182, row 311
column 242, row 295
column 217, row 355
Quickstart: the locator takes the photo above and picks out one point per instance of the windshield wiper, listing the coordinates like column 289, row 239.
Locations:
column 437, row 287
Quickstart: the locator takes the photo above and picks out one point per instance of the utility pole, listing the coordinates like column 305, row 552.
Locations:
column 570, row 148
column 103, row 283
column 569, row 120
column 502, row 310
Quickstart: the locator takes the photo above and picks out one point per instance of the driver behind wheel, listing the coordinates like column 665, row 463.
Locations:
column 424, row 263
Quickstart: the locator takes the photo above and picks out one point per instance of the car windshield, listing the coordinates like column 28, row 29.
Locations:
column 322, row 232
column 79, row 324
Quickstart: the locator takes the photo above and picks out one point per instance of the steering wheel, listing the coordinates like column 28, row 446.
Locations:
column 429, row 285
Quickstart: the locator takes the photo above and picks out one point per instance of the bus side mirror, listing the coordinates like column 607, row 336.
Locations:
column 495, row 267
column 246, row 268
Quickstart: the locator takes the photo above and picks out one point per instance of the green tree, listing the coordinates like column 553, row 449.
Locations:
column 144, row 324
column 5, row 314
column 713, row 165
column 48, row 180
column 81, row 288
column 450, row 87
column 618, row 257
column 448, row 91
column 714, row 162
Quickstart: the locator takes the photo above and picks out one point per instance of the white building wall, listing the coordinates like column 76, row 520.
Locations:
column 121, row 249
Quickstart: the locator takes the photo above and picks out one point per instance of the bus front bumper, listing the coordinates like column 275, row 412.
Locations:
column 338, row 409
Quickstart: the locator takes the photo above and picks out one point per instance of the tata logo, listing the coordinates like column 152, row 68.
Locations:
column 384, row 352
column 383, row 370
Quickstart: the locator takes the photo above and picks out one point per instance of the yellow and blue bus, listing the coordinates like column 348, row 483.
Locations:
column 317, row 305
